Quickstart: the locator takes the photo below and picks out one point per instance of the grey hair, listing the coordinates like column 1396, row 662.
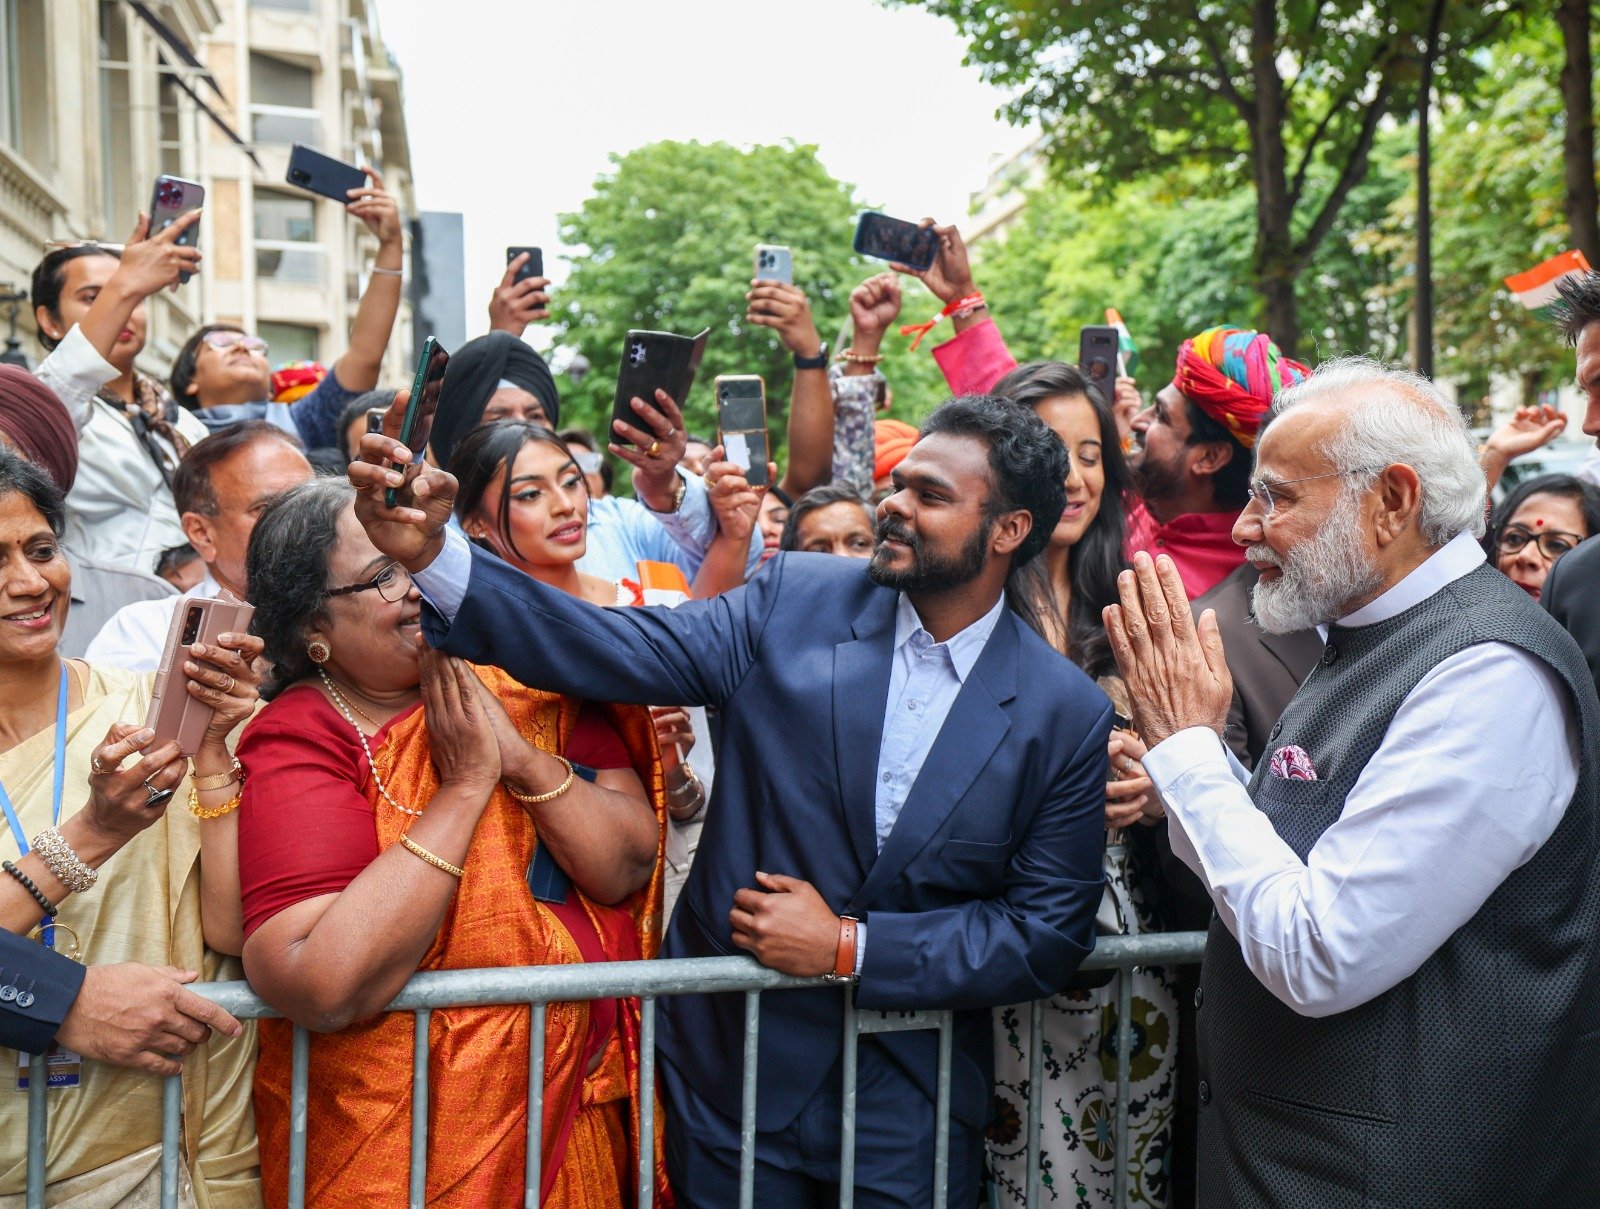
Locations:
column 1395, row 416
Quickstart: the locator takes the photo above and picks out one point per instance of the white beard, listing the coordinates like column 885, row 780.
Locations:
column 1319, row 576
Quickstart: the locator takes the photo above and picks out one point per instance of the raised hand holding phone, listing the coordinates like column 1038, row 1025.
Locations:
column 422, row 404
column 522, row 297
column 411, row 530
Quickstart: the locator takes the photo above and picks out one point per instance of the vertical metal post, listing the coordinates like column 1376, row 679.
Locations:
column 647, row 1102
column 532, row 1175
column 747, row 1112
column 300, row 1063
column 847, row 1107
column 38, row 1120
column 1034, row 1176
column 1119, row 1185
column 419, row 1109
column 941, row 1115
column 171, row 1116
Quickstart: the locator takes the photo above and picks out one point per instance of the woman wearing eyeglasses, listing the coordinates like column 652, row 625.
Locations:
column 405, row 811
column 1538, row 522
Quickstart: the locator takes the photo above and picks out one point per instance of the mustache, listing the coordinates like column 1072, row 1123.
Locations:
column 1261, row 556
column 889, row 529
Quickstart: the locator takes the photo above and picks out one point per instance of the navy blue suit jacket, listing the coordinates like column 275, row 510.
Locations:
column 985, row 891
column 50, row 978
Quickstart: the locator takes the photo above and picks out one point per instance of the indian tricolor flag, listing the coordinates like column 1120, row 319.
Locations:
column 1536, row 289
column 1127, row 350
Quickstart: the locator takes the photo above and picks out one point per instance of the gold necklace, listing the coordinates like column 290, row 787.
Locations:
column 344, row 708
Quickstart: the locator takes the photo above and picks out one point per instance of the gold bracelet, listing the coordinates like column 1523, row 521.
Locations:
column 437, row 862
column 220, row 780
column 534, row 799
column 215, row 812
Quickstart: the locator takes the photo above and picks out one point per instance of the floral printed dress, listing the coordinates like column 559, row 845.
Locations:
column 1077, row 1150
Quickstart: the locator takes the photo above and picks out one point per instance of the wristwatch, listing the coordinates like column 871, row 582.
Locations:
column 820, row 361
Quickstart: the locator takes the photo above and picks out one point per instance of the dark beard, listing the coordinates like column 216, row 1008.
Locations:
column 1155, row 481
column 929, row 573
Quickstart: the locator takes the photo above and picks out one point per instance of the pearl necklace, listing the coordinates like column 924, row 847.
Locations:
column 344, row 708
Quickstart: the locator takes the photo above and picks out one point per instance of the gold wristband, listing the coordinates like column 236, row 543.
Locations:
column 534, row 799
column 220, row 780
column 438, row 862
column 214, row 812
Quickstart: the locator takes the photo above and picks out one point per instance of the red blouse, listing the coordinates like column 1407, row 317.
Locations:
column 305, row 825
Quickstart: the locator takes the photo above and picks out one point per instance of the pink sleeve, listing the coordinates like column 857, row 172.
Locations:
column 974, row 360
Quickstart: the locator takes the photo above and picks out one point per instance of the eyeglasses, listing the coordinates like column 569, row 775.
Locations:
column 1261, row 491
column 1552, row 543
column 222, row 341
column 392, row 582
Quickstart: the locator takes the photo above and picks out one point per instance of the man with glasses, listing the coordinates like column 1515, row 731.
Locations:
column 222, row 486
column 1402, row 978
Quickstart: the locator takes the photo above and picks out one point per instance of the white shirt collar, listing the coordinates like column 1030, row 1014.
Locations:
column 963, row 647
column 1457, row 557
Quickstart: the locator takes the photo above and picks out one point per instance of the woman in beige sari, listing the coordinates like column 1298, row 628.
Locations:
column 96, row 845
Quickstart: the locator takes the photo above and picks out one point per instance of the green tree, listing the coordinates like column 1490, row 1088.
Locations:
column 665, row 243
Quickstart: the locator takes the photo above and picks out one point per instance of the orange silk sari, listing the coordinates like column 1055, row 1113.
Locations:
column 359, row 1101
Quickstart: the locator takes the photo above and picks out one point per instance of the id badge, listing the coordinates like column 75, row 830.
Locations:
column 65, row 1069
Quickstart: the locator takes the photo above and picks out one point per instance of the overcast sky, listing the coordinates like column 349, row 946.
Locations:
column 513, row 107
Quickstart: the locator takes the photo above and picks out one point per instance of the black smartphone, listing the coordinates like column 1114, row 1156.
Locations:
column 534, row 267
column 417, row 427
column 1097, row 358
column 653, row 361
column 172, row 199
column 316, row 173
column 896, row 240
column 742, row 423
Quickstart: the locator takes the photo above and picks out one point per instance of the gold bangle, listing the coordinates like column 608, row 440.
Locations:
column 220, row 780
column 437, row 862
column 534, row 799
column 215, row 812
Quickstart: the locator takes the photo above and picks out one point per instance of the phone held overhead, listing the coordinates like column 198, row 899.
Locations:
column 742, row 424
column 774, row 262
column 417, row 426
column 653, row 361
column 896, row 240
column 172, row 198
column 321, row 174
column 532, row 267
column 1098, row 348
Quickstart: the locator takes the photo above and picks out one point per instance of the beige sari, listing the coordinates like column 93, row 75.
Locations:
column 104, row 1143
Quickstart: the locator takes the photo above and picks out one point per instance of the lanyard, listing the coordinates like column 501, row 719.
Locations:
column 47, row 929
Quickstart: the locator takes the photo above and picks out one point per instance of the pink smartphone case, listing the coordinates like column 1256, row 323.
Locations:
column 174, row 714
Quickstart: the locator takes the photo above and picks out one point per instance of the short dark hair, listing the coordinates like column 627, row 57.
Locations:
column 1231, row 484
column 191, row 485
column 1585, row 494
column 481, row 455
column 287, row 568
column 1027, row 462
column 817, row 498
column 21, row 477
column 50, row 278
column 174, row 557
column 1579, row 304
column 356, row 409
column 183, row 363
column 582, row 436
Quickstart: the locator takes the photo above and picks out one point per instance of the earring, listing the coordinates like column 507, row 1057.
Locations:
column 318, row 651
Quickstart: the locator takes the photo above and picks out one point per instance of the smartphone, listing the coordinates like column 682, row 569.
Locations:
column 316, row 173
column 417, row 427
column 896, row 240
column 173, row 713
column 742, row 423
column 653, row 361
column 1097, row 358
column 172, row 199
column 774, row 263
column 534, row 267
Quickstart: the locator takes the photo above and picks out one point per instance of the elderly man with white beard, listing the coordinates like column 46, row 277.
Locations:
column 1400, row 1002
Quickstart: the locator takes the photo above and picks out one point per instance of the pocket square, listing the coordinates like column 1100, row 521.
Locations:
column 1292, row 764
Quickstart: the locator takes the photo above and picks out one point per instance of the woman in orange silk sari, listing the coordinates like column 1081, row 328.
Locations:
column 404, row 811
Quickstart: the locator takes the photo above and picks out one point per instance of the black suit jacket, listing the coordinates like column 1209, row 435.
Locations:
column 50, row 978
column 985, row 891
column 1572, row 596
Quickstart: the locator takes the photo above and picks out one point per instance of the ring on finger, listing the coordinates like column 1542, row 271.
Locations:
column 96, row 767
column 232, row 684
column 154, row 796
column 654, row 451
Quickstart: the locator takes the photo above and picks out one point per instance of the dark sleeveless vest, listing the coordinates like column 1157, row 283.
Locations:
column 1474, row 1082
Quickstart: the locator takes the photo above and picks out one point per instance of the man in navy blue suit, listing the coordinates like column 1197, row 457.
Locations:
column 909, row 796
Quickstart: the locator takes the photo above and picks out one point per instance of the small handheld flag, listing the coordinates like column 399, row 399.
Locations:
column 1536, row 289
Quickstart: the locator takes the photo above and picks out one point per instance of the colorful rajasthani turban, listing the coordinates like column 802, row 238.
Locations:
column 892, row 440
column 1232, row 374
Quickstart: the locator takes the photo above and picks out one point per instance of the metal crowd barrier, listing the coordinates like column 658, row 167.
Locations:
column 537, row 986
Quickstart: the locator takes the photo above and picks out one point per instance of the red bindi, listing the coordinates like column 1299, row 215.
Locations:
column 1538, row 522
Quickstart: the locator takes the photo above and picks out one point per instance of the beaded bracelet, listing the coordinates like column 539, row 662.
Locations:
column 63, row 862
column 216, row 812
column 855, row 358
column 28, row 885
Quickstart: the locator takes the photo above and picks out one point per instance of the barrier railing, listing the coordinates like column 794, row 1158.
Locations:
column 537, row 986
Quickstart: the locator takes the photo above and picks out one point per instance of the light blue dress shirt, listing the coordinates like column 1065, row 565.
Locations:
column 623, row 531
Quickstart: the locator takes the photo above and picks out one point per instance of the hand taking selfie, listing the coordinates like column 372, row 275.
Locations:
column 150, row 264
column 733, row 501
column 412, row 532
column 376, row 207
column 786, row 310
column 515, row 304
column 658, row 441
column 786, row 926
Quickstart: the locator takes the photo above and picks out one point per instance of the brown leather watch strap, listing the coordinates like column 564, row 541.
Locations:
column 844, row 964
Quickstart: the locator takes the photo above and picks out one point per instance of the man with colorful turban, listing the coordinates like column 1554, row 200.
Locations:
column 1193, row 451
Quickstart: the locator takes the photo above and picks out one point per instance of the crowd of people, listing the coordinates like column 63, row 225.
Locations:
column 1244, row 650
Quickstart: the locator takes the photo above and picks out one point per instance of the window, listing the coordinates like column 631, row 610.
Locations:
column 170, row 117
column 283, row 102
column 289, row 6
column 288, row 342
column 116, row 119
column 286, row 232
column 10, row 75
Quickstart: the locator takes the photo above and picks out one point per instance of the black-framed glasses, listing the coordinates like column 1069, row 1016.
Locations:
column 1552, row 543
column 392, row 582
